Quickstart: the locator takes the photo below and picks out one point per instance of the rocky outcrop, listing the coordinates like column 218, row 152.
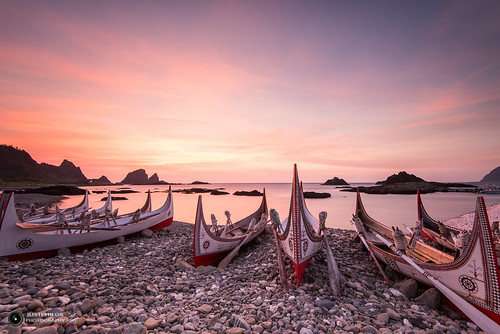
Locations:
column 312, row 194
column 194, row 190
column 248, row 193
column 335, row 182
column 493, row 176
column 401, row 177
column 139, row 176
column 404, row 183
column 154, row 179
column 102, row 181
column 218, row 192
column 199, row 182
column 18, row 166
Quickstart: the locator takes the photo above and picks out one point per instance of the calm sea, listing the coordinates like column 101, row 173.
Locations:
column 390, row 209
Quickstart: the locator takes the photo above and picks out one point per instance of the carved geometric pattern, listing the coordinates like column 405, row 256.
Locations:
column 24, row 244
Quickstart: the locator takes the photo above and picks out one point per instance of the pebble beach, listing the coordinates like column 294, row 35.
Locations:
column 147, row 284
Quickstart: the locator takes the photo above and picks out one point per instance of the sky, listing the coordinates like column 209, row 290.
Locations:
column 239, row 91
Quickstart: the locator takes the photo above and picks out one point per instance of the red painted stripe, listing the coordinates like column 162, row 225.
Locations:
column 425, row 235
column 299, row 269
column 209, row 259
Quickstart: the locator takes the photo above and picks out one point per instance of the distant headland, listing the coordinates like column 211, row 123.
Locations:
column 19, row 168
column 335, row 182
column 404, row 183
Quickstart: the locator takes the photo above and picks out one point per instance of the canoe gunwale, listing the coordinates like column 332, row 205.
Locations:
column 17, row 242
column 474, row 274
column 214, row 247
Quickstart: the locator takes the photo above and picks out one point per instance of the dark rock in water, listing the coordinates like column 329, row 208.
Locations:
column 194, row 190
column 401, row 177
column 54, row 190
column 114, row 198
column 154, row 179
column 199, row 182
column 138, row 176
column 404, row 183
column 431, row 297
column 335, row 182
column 102, row 181
column 218, row 192
column 124, row 191
column 312, row 194
column 248, row 193
column 493, row 176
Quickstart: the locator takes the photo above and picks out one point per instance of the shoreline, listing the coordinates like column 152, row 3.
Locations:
column 150, row 284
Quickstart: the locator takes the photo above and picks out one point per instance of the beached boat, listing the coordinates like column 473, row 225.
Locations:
column 23, row 241
column 211, row 244
column 470, row 280
column 488, row 189
column 435, row 230
column 448, row 236
column 45, row 213
column 300, row 235
column 71, row 214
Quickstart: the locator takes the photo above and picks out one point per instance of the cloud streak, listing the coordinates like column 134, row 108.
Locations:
column 239, row 91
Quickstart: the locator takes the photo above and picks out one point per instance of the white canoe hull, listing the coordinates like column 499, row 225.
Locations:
column 17, row 243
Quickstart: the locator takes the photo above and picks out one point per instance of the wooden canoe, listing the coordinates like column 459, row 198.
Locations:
column 38, row 216
column 473, row 274
column 299, row 235
column 209, row 247
column 18, row 242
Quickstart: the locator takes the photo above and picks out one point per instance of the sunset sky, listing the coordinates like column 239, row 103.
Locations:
column 238, row 91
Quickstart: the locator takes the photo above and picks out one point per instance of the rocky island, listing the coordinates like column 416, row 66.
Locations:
column 312, row 194
column 404, row 183
column 248, row 193
column 139, row 177
column 335, row 182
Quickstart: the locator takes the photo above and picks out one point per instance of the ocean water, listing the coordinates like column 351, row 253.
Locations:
column 392, row 210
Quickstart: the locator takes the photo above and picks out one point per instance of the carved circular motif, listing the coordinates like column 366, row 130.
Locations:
column 468, row 283
column 290, row 244
column 24, row 244
column 305, row 246
column 206, row 244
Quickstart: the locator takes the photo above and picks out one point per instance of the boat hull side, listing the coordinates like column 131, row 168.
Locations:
column 17, row 243
column 209, row 248
column 78, row 249
column 209, row 259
